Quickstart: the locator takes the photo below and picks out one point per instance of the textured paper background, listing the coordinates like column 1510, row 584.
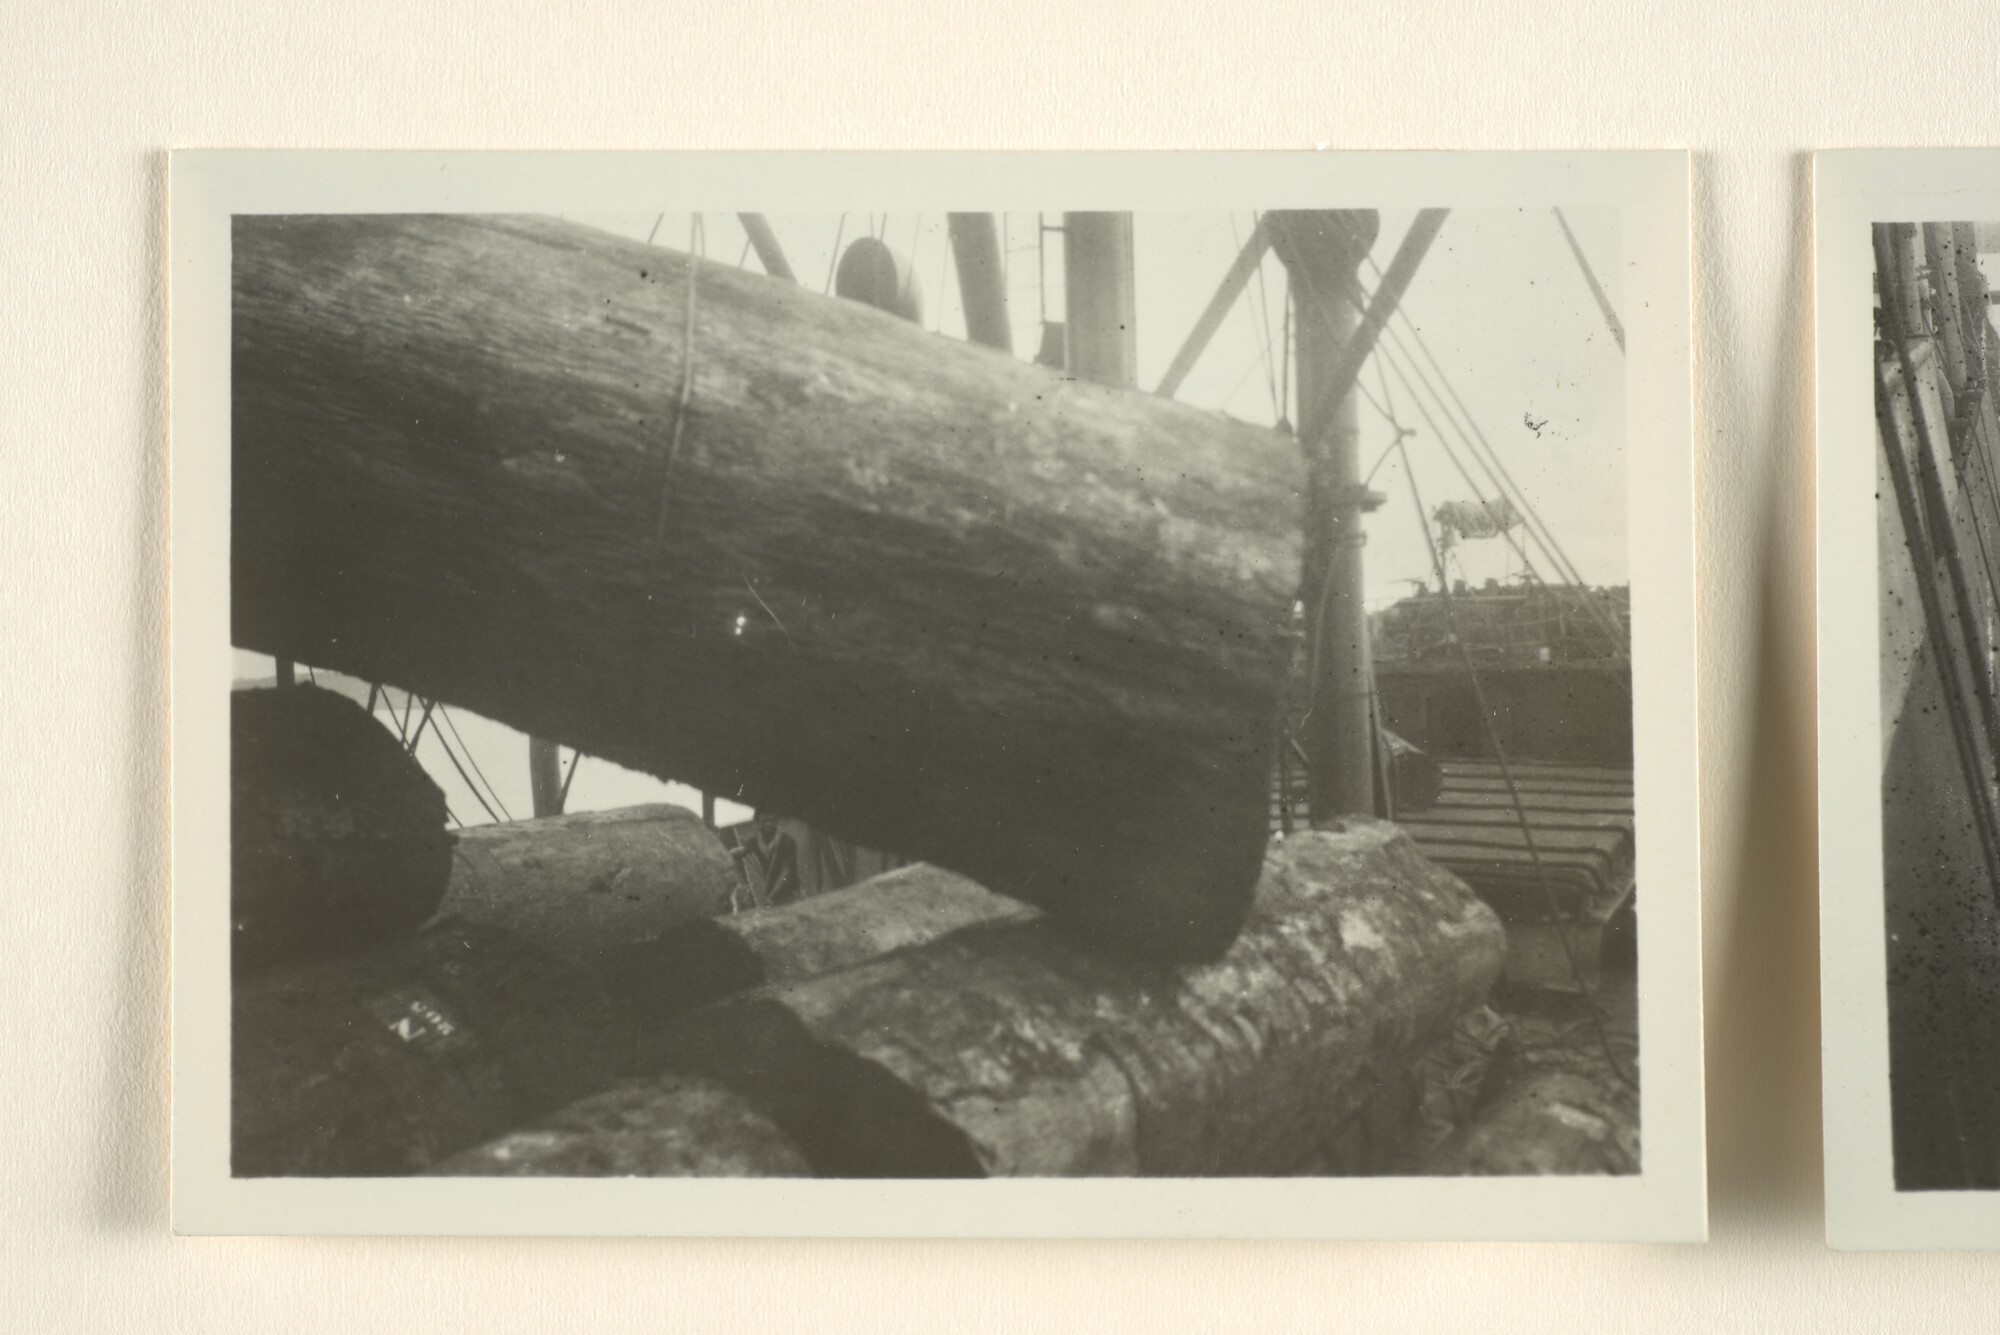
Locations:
column 92, row 93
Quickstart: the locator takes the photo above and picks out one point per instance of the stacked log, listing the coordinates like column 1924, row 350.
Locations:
column 706, row 960
column 588, row 887
column 915, row 592
column 1008, row 1049
column 337, row 836
column 671, row 1127
column 1552, row 1123
column 385, row 1061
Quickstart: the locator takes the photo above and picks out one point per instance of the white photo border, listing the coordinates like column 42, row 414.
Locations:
column 1665, row 1202
column 1853, row 189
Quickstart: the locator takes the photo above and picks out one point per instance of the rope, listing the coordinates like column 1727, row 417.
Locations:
column 696, row 236
column 1544, row 535
column 1554, row 906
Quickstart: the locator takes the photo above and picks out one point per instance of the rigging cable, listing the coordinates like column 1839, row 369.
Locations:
column 1285, row 362
column 697, row 237
column 575, row 759
column 1596, row 289
column 1489, row 461
column 1619, row 642
column 1264, row 327
column 1966, row 742
column 418, row 735
column 445, row 716
column 1445, row 444
column 1620, row 650
column 1546, row 537
column 1554, row 905
column 1931, row 492
column 1260, row 319
column 470, row 786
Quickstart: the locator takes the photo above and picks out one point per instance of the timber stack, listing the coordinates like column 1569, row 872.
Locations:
column 1030, row 629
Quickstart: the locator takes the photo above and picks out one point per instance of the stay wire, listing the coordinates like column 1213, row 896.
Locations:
column 1264, row 327
column 1618, row 644
column 445, row 716
column 1564, row 566
column 1443, row 442
column 1488, row 459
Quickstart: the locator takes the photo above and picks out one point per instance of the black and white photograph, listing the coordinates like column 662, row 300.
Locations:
column 1913, row 1096
column 765, row 693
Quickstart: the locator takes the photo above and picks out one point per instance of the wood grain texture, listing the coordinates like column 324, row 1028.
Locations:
column 1007, row 1050
column 927, row 597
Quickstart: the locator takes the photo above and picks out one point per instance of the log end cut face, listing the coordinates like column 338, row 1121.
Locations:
column 337, row 836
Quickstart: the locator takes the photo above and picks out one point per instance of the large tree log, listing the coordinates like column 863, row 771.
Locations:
column 385, row 1061
column 337, row 835
column 706, row 960
column 588, row 886
column 1550, row 1123
column 672, row 1127
column 927, row 597
column 1007, row 1050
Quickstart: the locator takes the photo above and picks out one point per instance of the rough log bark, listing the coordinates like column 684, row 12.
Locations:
column 337, row 836
column 385, row 1061
column 673, row 1127
column 706, row 960
column 1007, row 1050
column 1554, row 1122
column 922, row 595
column 588, row 887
